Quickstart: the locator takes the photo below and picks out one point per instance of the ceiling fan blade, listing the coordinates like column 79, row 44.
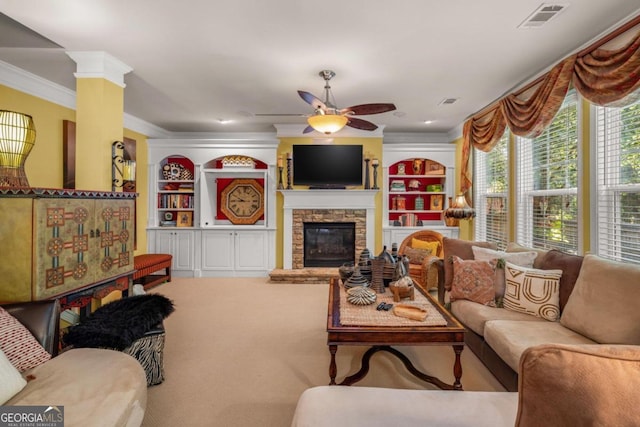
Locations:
column 313, row 100
column 308, row 129
column 364, row 109
column 356, row 123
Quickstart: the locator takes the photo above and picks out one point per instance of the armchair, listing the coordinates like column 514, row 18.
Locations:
column 420, row 265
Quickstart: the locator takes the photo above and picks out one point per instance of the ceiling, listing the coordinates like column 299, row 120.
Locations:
column 197, row 63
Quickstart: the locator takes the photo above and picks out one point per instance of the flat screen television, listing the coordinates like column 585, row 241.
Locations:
column 327, row 166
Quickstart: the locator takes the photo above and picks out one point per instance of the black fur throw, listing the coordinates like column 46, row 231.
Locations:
column 118, row 324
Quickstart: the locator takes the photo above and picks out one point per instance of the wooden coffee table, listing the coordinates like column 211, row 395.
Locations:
column 381, row 338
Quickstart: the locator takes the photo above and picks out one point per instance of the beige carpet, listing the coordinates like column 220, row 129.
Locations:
column 239, row 351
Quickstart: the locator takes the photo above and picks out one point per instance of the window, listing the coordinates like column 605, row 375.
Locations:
column 547, row 183
column 618, row 183
column 491, row 186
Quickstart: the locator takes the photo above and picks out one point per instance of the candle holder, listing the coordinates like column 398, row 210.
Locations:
column 375, row 176
column 280, row 184
column 289, row 164
column 367, row 185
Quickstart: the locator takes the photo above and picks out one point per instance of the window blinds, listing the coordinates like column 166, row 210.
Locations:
column 547, row 183
column 491, row 185
column 618, row 183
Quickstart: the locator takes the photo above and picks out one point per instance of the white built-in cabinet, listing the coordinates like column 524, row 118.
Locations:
column 210, row 245
column 395, row 154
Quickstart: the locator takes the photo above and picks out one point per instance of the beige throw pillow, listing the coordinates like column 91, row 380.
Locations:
column 532, row 291
column 605, row 303
column 524, row 259
column 11, row 380
column 473, row 281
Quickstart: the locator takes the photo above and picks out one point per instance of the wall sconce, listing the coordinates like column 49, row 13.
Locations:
column 457, row 210
column 17, row 137
column 123, row 171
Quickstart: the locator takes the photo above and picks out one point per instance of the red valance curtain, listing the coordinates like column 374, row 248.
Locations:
column 604, row 77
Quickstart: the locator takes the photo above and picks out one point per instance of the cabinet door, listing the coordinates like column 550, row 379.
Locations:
column 114, row 237
column 251, row 250
column 183, row 256
column 164, row 243
column 65, row 246
column 217, row 250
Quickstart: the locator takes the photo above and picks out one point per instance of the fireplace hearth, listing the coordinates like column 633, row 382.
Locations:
column 329, row 244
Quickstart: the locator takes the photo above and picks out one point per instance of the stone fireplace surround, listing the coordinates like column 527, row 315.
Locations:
column 325, row 206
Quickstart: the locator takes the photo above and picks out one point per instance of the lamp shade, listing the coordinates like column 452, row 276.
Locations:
column 327, row 123
column 17, row 136
column 459, row 209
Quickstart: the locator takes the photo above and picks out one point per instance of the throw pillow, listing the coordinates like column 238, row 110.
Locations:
column 532, row 291
column 460, row 248
column 21, row 348
column 605, row 303
column 570, row 266
column 516, row 247
column 421, row 244
column 473, row 281
column 524, row 259
column 11, row 382
column 416, row 256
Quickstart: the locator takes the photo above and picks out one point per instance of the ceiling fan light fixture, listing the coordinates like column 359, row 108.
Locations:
column 327, row 123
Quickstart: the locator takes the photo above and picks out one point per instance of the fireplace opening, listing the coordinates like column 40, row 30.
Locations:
column 329, row 244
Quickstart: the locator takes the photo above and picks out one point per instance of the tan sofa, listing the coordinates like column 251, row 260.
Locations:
column 97, row 387
column 589, row 385
column 599, row 302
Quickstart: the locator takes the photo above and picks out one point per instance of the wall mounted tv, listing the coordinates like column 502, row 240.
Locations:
column 327, row 166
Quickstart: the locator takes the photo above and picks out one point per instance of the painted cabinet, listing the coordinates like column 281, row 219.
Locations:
column 62, row 241
column 180, row 244
column 235, row 252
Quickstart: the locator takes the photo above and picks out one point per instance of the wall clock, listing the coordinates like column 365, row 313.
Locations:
column 242, row 201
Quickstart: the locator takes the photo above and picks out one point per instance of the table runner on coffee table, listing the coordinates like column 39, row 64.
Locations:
column 367, row 315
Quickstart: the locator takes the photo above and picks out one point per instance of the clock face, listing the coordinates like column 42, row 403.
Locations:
column 242, row 201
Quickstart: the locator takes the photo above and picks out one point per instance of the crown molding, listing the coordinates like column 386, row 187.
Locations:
column 98, row 64
column 24, row 81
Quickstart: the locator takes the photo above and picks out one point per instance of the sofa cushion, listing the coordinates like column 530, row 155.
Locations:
column 95, row 386
column 11, row 382
column 570, row 266
column 579, row 386
column 474, row 316
column 532, row 291
column 524, row 259
column 333, row 406
column 516, row 247
column 605, row 302
column 510, row 338
column 473, row 281
column 459, row 248
column 21, row 348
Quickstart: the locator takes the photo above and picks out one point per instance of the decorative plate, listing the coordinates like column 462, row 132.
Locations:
column 168, row 216
column 175, row 172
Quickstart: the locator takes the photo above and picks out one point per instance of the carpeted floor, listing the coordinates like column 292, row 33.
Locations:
column 239, row 351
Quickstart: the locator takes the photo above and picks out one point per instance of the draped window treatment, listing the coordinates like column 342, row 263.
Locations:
column 604, row 77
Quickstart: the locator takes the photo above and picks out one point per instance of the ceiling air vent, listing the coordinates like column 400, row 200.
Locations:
column 448, row 101
column 545, row 13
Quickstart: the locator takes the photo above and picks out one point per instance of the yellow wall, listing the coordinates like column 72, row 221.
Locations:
column 44, row 164
column 371, row 146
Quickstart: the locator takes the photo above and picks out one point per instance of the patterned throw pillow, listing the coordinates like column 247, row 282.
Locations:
column 524, row 259
column 532, row 291
column 21, row 348
column 473, row 281
column 416, row 256
column 421, row 244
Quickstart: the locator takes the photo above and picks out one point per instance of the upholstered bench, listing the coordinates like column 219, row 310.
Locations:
column 148, row 264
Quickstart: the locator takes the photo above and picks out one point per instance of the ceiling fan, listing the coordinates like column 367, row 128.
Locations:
column 328, row 118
